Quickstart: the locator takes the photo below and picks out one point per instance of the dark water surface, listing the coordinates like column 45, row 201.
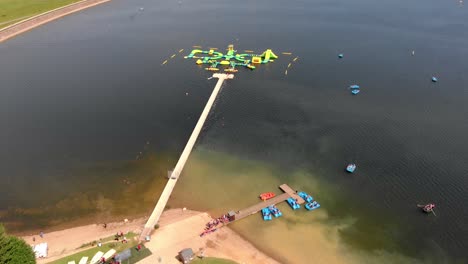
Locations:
column 81, row 97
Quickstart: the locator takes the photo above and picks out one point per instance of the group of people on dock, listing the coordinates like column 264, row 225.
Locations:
column 212, row 225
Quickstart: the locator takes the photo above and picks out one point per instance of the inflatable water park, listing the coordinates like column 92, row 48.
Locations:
column 215, row 60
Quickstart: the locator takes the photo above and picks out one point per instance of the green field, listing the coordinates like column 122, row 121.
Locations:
column 12, row 11
column 108, row 243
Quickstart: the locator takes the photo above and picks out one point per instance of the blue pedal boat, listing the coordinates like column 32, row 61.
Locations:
column 305, row 196
column 275, row 211
column 294, row 205
column 266, row 214
column 312, row 206
column 351, row 168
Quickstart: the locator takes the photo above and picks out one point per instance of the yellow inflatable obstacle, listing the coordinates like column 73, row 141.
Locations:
column 268, row 55
column 256, row 60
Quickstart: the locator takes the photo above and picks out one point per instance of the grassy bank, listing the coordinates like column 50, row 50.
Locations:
column 108, row 244
column 12, row 11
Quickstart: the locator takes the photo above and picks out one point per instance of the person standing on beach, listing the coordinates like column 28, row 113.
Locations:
column 41, row 234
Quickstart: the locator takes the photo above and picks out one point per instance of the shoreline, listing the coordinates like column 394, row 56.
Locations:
column 179, row 228
column 38, row 20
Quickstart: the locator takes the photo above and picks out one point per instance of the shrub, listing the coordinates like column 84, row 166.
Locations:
column 14, row 250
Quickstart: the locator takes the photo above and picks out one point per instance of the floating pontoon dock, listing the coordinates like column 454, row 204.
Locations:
column 288, row 192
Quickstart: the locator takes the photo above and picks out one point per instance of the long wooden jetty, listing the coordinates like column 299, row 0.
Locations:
column 288, row 192
column 162, row 201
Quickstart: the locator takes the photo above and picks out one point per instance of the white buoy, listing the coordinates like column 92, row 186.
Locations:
column 412, row 52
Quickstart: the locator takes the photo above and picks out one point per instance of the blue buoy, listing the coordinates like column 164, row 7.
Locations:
column 434, row 79
column 340, row 55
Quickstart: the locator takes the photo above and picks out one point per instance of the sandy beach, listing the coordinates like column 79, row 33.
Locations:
column 179, row 229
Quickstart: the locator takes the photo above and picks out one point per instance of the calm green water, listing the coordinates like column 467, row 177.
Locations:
column 91, row 122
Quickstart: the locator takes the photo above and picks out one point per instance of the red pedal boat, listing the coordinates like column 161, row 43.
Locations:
column 267, row 195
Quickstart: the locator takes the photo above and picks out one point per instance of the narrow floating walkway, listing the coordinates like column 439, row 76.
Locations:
column 161, row 204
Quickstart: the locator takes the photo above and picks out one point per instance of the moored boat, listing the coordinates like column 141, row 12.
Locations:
column 266, row 214
column 267, row 195
column 351, row 168
column 312, row 206
column 294, row 205
column 275, row 211
column 305, row 196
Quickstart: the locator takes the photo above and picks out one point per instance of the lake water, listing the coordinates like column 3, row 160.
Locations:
column 91, row 122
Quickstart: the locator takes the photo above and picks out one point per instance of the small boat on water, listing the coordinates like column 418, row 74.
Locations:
column 305, row 196
column 355, row 91
column 267, row 195
column 427, row 208
column 434, row 79
column 354, row 86
column 266, row 214
column 340, row 55
column 312, row 206
column 351, row 168
column 212, row 69
column 275, row 211
column 294, row 205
